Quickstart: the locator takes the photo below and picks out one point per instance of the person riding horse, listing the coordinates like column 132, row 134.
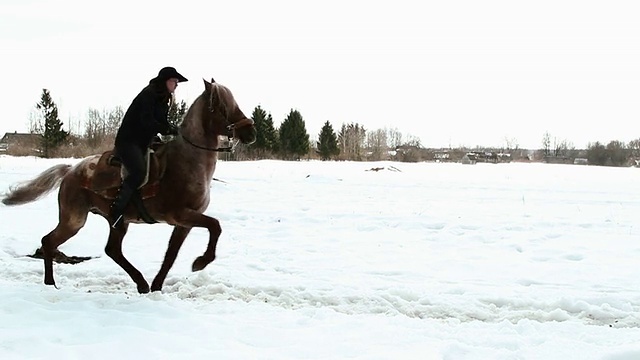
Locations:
column 178, row 197
column 145, row 118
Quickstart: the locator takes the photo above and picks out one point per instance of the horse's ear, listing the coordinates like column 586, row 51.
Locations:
column 207, row 85
column 212, row 81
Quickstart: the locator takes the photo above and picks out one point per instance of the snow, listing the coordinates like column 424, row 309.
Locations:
column 327, row 260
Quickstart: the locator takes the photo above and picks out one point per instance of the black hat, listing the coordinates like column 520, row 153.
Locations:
column 168, row 72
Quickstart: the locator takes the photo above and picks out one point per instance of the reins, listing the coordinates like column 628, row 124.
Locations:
column 230, row 128
column 222, row 149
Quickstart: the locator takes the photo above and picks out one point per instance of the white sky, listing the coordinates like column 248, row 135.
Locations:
column 435, row 261
column 452, row 73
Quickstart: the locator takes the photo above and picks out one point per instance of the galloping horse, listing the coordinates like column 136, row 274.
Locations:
column 176, row 192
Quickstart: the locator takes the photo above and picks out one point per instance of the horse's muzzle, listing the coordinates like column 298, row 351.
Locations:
column 244, row 130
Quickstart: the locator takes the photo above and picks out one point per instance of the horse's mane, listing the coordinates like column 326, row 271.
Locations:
column 221, row 98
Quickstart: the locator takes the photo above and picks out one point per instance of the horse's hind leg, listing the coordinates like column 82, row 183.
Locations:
column 175, row 242
column 68, row 226
column 114, row 251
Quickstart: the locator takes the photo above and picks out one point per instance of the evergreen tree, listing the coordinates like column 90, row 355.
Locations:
column 176, row 112
column 328, row 142
column 273, row 134
column 267, row 138
column 52, row 135
column 294, row 140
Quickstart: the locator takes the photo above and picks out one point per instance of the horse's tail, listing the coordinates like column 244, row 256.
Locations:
column 34, row 189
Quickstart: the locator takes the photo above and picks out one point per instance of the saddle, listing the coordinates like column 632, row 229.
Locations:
column 105, row 174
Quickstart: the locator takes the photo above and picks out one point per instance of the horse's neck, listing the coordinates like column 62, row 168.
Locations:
column 191, row 161
column 193, row 133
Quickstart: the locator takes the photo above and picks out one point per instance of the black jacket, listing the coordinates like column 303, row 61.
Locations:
column 145, row 117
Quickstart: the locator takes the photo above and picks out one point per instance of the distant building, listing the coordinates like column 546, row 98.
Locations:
column 504, row 157
column 469, row 159
column 442, row 155
column 23, row 140
column 581, row 161
column 489, row 156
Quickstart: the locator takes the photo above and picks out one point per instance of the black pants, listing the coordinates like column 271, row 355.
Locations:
column 133, row 159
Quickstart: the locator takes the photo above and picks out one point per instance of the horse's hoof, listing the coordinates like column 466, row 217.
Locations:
column 200, row 263
column 143, row 289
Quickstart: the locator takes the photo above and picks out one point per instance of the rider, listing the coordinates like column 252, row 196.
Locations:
column 144, row 119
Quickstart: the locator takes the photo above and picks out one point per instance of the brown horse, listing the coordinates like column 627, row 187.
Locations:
column 176, row 192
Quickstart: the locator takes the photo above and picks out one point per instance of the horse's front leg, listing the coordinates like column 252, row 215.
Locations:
column 114, row 251
column 192, row 218
column 175, row 242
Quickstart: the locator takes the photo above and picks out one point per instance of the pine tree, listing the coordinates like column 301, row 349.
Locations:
column 267, row 138
column 53, row 135
column 327, row 142
column 176, row 112
column 294, row 140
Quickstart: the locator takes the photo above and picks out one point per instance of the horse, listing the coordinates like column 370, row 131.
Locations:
column 177, row 191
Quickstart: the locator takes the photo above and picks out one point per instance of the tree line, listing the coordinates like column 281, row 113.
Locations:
column 291, row 141
column 614, row 153
column 288, row 141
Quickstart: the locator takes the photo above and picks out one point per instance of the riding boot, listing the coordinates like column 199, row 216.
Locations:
column 119, row 205
column 136, row 199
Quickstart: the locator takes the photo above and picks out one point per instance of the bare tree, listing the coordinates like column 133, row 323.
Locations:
column 394, row 138
column 413, row 141
column 562, row 148
column 94, row 127
column 114, row 118
column 101, row 126
column 36, row 122
column 351, row 141
column 634, row 148
column 511, row 144
column 411, row 150
column 618, row 153
column 377, row 144
column 546, row 143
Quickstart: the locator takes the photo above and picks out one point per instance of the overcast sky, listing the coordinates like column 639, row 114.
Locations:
column 449, row 72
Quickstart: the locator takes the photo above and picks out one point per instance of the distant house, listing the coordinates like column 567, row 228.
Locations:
column 26, row 141
column 469, row 158
column 504, row 157
column 484, row 156
column 442, row 155
column 581, row 161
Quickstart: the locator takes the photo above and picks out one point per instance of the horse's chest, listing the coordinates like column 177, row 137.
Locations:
column 199, row 193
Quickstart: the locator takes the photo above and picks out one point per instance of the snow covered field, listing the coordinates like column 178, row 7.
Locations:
column 326, row 260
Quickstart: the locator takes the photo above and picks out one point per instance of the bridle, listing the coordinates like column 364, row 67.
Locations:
column 229, row 135
column 230, row 127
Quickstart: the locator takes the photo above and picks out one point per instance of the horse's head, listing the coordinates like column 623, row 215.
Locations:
column 227, row 118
